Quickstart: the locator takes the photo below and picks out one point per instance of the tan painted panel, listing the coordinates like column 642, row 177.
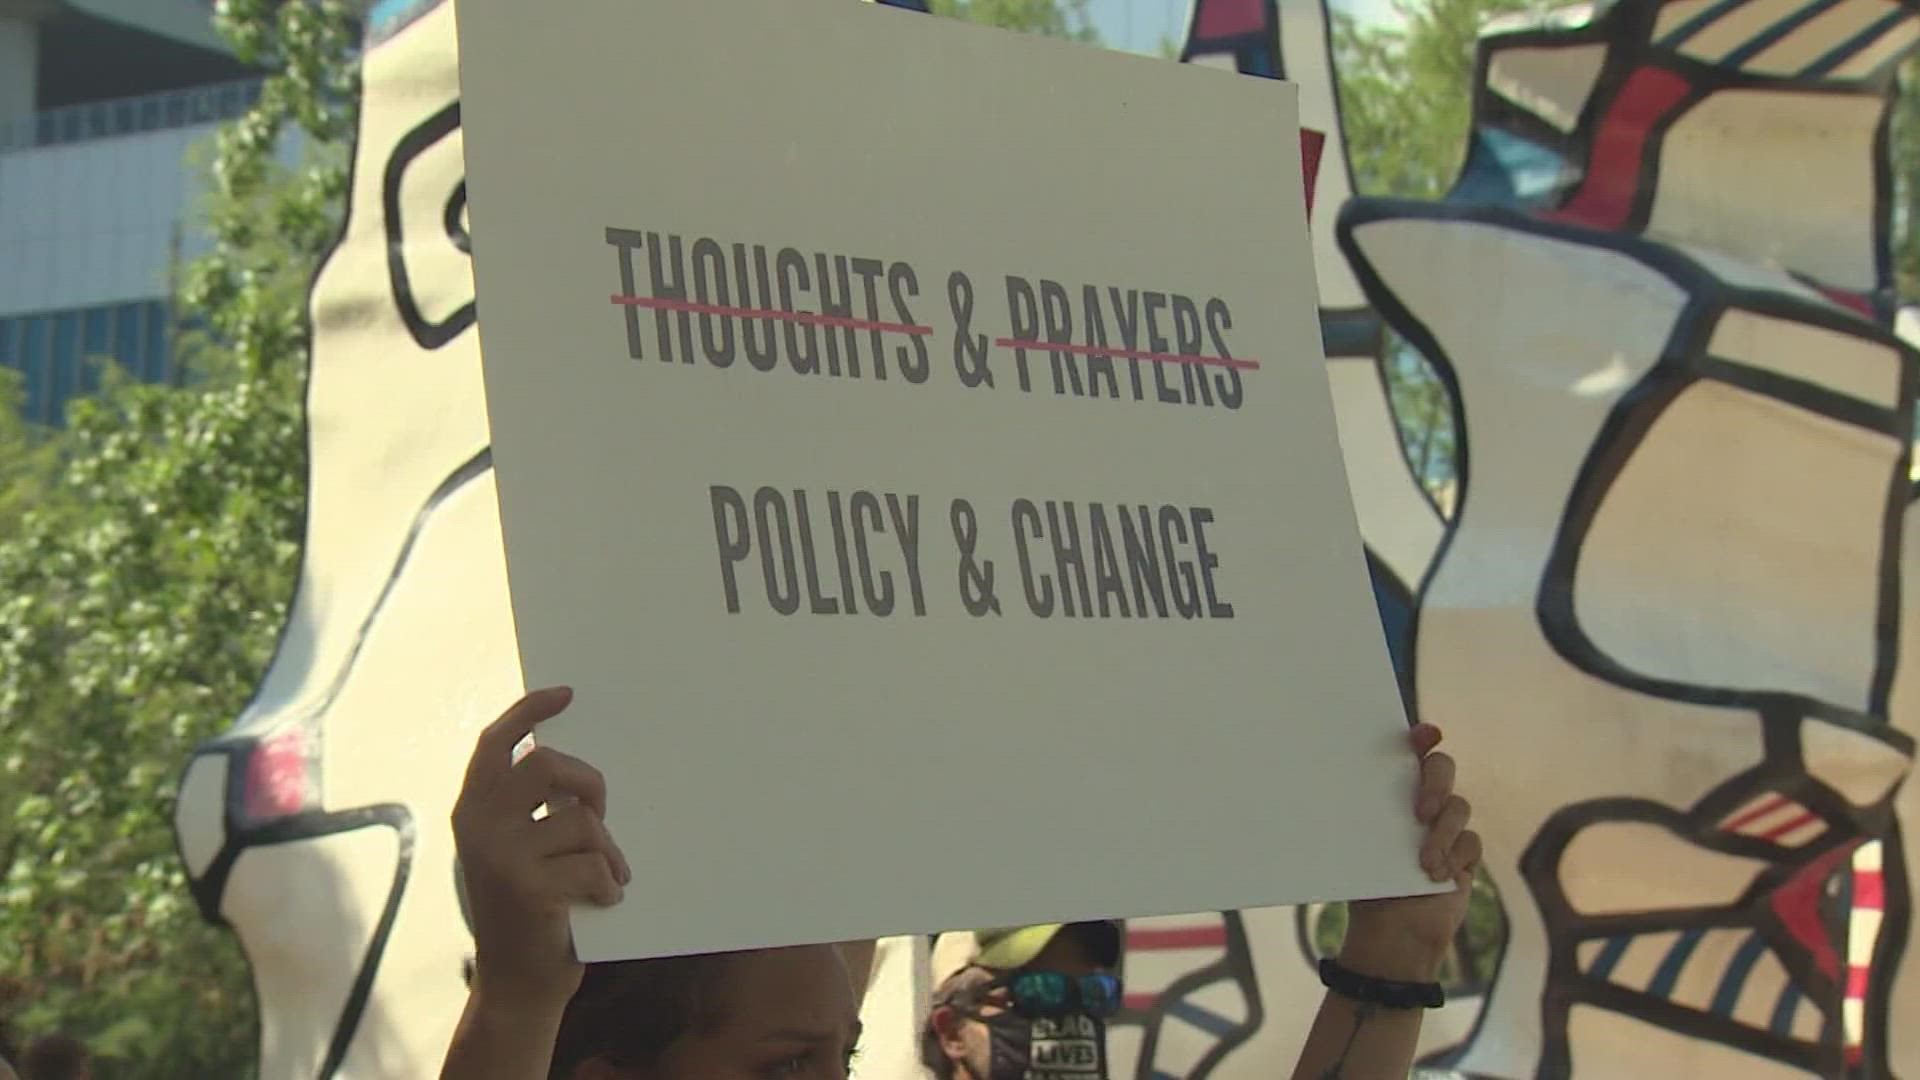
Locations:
column 1603, row 870
column 1552, row 83
column 1814, row 214
column 1635, row 1048
column 1742, row 507
column 1843, row 363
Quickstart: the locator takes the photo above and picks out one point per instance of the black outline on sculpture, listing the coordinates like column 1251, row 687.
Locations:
column 428, row 333
column 1624, row 30
column 1235, row 965
column 238, row 833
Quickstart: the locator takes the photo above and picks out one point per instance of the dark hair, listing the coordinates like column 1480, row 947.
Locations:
column 630, row 1011
column 54, row 1057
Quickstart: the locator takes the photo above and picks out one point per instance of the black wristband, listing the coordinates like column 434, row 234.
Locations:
column 1385, row 993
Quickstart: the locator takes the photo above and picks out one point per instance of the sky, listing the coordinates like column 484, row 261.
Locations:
column 1137, row 25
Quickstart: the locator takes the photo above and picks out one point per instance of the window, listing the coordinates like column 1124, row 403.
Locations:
column 33, row 362
column 158, row 366
column 63, row 367
column 96, row 341
column 59, row 353
column 127, row 337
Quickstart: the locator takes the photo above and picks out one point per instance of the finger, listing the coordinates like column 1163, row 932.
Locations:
column 574, row 829
column 548, row 776
column 1446, row 828
column 493, row 751
column 1464, row 859
column 1424, row 738
column 1436, row 784
column 585, row 877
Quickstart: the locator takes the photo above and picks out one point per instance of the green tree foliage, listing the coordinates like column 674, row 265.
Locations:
column 1904, row 150
column 1051, row 18
column 140, row 599
column 1406, row 99
column 27, row 457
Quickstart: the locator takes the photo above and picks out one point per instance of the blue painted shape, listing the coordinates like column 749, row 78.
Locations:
column 1609, row 957
column 1760, row 42
column 1699, row 22
column 1667, row 975
column 1735, row 979
column 1504, row 169
column 1784, row 1009
column 1844, row 51
column 1206, row 1020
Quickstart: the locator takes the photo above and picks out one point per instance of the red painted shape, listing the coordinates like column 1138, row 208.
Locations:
column 1139, row 1002
column 1788, row 826
column 1797, row 905
column 1226, row 18
column 1858, row 976
column 1197, row 937
column 1869, row 890
column 1852, row 301
column 1755, row 814
column 276, row 783
column 1606, row 196
column 1312, row 144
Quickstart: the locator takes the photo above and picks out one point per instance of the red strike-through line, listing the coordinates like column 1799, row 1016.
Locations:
column 1236, row 363
column 1195, row 937
column 807, row 318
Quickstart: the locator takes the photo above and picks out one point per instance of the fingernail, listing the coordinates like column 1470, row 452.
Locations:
column 618, row 895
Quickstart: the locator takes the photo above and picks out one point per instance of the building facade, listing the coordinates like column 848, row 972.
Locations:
column 106, row 112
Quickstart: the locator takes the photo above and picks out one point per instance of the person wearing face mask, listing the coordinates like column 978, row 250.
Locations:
column 1032, row 1003
column 1024, row 1003
column 1021, row 1003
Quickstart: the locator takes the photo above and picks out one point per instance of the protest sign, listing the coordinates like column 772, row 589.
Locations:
column 897, row 449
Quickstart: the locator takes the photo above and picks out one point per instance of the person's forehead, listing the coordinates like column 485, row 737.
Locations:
column 809, row 984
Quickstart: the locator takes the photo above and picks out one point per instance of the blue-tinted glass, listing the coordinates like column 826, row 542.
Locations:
column 127, row 338
column 149, row 114
column 96, row 343
column 1040, row 989
column 6, row 341
column 158, row 366
column 1100, row 995
column 33, row 362
column 63, row 367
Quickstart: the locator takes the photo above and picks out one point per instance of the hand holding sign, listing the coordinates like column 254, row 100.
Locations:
column 522, row 876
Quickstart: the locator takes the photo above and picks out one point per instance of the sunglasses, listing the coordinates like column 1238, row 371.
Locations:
column 1054, row 993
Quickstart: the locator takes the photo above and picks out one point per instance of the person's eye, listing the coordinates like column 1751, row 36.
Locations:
column 796, row 1065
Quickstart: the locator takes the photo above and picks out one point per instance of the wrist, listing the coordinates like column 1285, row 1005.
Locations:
column 1382, row 954
column 504, row 1002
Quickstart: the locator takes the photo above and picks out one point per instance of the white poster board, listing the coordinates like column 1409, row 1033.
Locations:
column 757, row 542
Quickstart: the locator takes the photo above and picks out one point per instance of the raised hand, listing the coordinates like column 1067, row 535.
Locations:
column 523, row 875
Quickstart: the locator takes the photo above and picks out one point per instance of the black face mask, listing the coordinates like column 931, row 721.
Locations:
column 1070, row 1047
